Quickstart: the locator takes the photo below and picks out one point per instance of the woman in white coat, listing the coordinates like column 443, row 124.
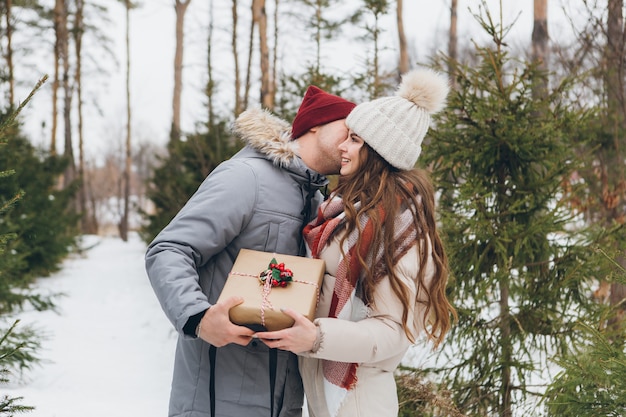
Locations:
column 386, row 268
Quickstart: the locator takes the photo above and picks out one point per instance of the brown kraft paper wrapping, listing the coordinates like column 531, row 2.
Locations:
column 300, row 295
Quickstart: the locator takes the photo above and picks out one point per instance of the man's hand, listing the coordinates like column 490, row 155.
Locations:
column 298, row 338
column 217, row 329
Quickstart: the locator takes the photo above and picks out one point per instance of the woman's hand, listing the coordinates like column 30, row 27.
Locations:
column 298, row 338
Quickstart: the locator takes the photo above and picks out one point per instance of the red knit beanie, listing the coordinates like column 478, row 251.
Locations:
column 318, row 108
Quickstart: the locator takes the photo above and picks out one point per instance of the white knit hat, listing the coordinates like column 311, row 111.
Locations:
column 395, row 126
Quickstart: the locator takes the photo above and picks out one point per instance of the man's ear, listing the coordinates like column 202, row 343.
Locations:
column 314, row 129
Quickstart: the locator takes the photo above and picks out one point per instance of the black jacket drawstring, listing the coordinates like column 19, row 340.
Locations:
column 306, row 211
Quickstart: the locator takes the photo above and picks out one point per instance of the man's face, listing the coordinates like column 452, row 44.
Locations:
column 329, row 136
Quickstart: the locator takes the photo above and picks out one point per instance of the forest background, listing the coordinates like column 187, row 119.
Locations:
column 528, row 159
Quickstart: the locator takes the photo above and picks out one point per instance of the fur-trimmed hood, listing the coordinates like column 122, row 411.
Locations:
column 268, row 134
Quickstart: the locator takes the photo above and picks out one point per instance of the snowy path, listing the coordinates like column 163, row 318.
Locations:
column 108, row 352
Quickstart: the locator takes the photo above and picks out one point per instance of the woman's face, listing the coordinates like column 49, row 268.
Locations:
column 350, row 153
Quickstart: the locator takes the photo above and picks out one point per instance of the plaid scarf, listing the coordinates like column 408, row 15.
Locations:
column 346, row 303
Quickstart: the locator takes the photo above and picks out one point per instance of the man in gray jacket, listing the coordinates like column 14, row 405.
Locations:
column 259, row 199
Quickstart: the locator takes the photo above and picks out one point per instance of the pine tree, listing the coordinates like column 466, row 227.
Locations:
column 8, row 352
column 44, row 222
column 593, row 383
column 39, row 231
column 520, row 271
column 376, row 80
column 322, row 23
column 15, row 347
column 182, row 171
column 593, row 380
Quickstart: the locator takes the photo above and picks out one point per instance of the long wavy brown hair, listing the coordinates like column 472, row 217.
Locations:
column 378, row 185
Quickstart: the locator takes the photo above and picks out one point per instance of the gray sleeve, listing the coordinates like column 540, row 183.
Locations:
column 211, row 219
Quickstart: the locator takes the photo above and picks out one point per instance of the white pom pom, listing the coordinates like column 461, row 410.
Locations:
column 426, row 88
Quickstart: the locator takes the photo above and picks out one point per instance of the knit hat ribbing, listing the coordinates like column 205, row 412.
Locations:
column 395, row 126
column 318, row 108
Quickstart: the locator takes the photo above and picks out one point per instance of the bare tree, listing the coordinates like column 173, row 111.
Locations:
column 275, row 59
column 68, row 151
column 57, row 24
column 123, row 226
column 239, row 106
column 453, row 39
column 9, row 49
column 267, row 88
column 615, row 189
column 210, row 82
column 540, row 42
column 246, row 94
column 601, row 52
column 180, row 7
column 403, row 65
column 87, row 224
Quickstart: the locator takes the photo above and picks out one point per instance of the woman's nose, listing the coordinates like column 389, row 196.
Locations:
column 342, row 145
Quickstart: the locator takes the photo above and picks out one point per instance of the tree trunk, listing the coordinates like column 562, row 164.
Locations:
column 273, row 76
column 210, row 83
column 124, row 227
column 453, row 40
column 377, row 83
column 614, row 55
column 540, row 42
column 267, row 94
column 9, row 51
column 505, row 329
column 403, row 65
column 68, row 151
column 238, row 103
column 91, row 199
column 615, row 177
column 318, row 38
column 58, row 19
column 86, row 224
column 246, row 94
column 181, row 8
column 505, row 318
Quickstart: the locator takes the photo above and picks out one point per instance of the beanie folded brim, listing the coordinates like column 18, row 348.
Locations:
column 319, row 108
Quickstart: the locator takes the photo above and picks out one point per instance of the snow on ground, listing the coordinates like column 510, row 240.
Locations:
column 108, row 351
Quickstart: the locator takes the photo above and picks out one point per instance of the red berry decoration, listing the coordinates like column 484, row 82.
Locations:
column 278, row 275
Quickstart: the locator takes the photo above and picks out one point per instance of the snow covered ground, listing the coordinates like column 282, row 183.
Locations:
column 108, row 351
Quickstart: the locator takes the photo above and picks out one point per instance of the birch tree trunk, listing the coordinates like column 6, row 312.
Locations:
column 181, row 8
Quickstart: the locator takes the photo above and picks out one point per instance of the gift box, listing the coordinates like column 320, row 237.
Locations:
column 256, row 276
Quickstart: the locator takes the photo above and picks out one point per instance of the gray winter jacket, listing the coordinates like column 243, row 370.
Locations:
column 255, row 200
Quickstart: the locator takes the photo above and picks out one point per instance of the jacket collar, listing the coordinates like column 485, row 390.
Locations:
column 270, row 136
